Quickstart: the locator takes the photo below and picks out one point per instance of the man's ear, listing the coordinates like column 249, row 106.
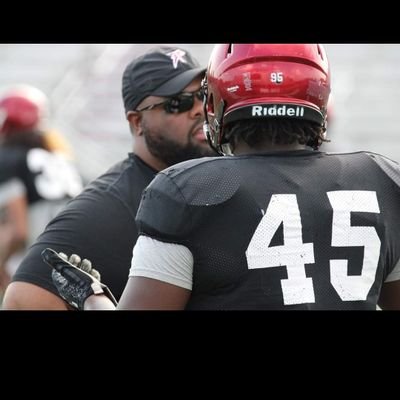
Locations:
column 135, row 119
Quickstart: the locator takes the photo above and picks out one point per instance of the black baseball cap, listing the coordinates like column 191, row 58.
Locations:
column 162, row 71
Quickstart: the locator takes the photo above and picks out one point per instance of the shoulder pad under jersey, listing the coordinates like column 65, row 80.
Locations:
column 390, row 167
column 179, row 197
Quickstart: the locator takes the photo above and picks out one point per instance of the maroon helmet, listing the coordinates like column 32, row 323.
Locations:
column 22, row 108
column 17, row 114
column 247, row 81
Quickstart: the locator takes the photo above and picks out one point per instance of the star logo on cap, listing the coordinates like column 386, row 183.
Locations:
column 176, row 56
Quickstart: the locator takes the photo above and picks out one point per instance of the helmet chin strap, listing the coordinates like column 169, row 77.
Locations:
column 213, row 133
column 207, row 132
column 216, row 130
column 206, row 124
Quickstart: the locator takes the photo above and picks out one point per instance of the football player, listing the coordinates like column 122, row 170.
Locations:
column 35, row 180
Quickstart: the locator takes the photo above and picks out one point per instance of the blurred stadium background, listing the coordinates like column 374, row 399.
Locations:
column 83, row 83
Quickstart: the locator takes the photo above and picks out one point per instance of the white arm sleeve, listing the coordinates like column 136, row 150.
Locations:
column 395, row 274
column 167, row 262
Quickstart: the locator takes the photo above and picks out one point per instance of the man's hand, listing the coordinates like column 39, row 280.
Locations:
column 84, row 265
column 75, row 280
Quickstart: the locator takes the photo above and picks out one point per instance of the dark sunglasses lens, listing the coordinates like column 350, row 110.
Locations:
column 182, row 102
column 179, row 104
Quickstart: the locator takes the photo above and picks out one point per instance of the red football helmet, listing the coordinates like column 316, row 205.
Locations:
column 246, row 81
column 22, row 108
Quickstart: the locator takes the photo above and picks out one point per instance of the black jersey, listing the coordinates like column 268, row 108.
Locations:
column 45, row 175
column 98, row 224
column 282, row 230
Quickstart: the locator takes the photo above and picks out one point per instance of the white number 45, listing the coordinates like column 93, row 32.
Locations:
column 294, row 254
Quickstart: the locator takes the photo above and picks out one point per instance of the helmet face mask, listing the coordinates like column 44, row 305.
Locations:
column 247, row 81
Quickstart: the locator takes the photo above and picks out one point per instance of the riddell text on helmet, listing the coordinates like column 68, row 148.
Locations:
column 282, row 111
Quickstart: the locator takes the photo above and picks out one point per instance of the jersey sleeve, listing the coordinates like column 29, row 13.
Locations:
column 166, row 262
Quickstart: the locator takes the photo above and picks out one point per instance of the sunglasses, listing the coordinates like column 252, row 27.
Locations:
column 179, row 103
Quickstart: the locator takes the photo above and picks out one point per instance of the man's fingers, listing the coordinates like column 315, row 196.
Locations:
column 74, row 259
column 73, row 269
column 95, row 274
column 86, row 265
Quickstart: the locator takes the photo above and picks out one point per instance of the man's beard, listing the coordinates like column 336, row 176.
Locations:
column 170, row 152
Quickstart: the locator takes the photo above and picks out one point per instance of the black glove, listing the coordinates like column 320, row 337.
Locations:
column 74, row 284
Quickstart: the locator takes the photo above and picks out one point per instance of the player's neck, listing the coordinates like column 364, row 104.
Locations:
column 243, row 148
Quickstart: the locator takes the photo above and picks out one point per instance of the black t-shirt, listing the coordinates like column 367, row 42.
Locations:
column 284, row 230
column 98, row 224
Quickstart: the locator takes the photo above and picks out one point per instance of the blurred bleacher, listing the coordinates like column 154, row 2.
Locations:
column 83, row 82
column 365, row 85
